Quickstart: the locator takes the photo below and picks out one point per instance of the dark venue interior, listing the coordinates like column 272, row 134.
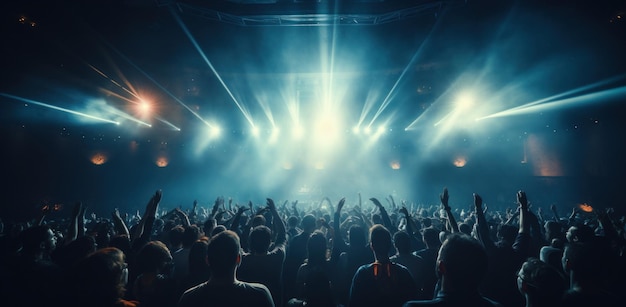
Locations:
column 106, row 101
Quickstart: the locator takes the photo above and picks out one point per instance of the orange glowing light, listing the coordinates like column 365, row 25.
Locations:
column 395, row 164
column 162, row 162
column 98, row 159
column 460, row 161
column 585, row 208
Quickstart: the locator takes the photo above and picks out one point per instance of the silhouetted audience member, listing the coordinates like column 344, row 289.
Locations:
column 587, row 265
column 35, row 280
column 461, row 265
column 154, row 285
column 223, row 288
column 198, row 267
column 261, row 264
column 430, row 236
column 415, row 264
column 99, row 280
column 352, row 255
column 315, row 262
column 296, row 253
column 540, row 283
column 381, row 283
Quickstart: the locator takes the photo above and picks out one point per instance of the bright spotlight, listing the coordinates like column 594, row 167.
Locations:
column 367, row 130
column 215, row 131
column 381, row 129
column 464, row 101
column 356, row 130
column 144, row 107
column 298, row 132
column 255, row 131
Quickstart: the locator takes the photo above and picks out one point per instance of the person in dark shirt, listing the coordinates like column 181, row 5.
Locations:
column 263, row 265
column 461, row 265
column 223, row 288
column 381, row 283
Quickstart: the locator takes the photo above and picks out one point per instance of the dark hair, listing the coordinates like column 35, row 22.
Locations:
column 464, row 258
column 176, row 235
column 590, row 260
column 430, row 235
column 198, row 256
column 293, row 221
column 316, row 248
column 380, row 239
column 218, row 229
column 260, row 239
column 308, row 223
column 191, row 235
column 402, row 242
column 357, row 237
column 99, row 279
column 543, row 281
column 154, row 256
column 222, row 252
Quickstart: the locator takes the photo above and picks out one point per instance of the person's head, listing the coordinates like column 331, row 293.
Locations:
column 430, row 236
column 293, row 221
column 357, row 237
column 154, row 257
column 191, row 235
column 197, row 256
column 38, row 239
column 462, row 262
column 258, row 220
column 540, row 282
column 218, row 229
column 308, row 223
column 316, row 248
column 377, row 219
column 176, row 235
column 507, row 233
column 380, row 240
column 579, row 233
column 587, row 261
column 208, row 226
column 223, row 253
column 101, row 276
column 402, row 242
column 260, row 239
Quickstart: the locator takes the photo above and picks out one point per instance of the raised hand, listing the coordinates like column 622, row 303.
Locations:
column 478, row 202
column 522, row 200
column 376, row 202
column 444, row 199
column 340, row 204
column 404, row 211
column 270, row 204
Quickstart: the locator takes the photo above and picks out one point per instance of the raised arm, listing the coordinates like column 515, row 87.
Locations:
column 281, row 232
column 384, row 215
column 339, row 244
column 444, row 197
column 72, row 231
column 119, row 224
column 234, row 225
column 144, row 228
column 481, row 223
